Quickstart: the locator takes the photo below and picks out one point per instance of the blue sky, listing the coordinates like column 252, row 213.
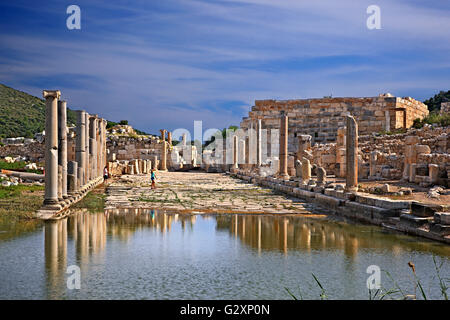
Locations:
column 165, row 63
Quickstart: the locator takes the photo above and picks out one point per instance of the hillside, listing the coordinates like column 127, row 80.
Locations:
column 21, row 114
column 434, row 103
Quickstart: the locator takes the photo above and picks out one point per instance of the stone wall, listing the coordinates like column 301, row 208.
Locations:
column 389, row 151
column 33, row 151
column 321, row 118
column 130, row 148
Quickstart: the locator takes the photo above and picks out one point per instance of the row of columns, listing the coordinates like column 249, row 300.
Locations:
column 66, row 181
column 351, row 152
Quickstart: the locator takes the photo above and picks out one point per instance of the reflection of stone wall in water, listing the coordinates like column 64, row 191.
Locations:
column 294, row 233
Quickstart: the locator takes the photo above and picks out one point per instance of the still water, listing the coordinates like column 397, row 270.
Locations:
column 146, row 254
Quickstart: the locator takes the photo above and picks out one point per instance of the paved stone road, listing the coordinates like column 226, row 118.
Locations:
column 200, row 192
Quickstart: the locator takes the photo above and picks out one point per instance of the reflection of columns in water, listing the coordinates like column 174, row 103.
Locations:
column 306, row 236
column 285, row 223
column 89, row 233
column 55, row 248
column 243, row 227
column 259, row 234
column 235, row 225
column 351, row 247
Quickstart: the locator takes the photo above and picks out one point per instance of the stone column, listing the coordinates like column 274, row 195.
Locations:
column 86, row 149
column 340, row 152
column 388, row 121
column 284, row 147
column 247, row 150
column 259, row 143
column 306, row 170
column 93, row 158
column 104, row 138
column 80, row 147
column 183, row 140
column 163, row 165
column 321, row 176
column 299, row 170
column 241, row 151
column 155, row 163
column 373, row 163
column 98, row 138
column 62, row 145
column 60, row 197
column 93, row 145
column 304, row 144
column 72, row 177
column 351, row 181
column 235, row 151
column 169, row 138
column 51, row 146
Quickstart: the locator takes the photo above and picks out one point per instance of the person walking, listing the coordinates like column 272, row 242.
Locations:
column 105, row 173
column 153, row 178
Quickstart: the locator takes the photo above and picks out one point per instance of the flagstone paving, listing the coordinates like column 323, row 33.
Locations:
column 200, row 192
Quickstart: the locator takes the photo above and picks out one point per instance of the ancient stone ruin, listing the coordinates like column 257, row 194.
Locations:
column 69, row 178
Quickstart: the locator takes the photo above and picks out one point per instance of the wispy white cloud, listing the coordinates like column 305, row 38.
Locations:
column 167, row 66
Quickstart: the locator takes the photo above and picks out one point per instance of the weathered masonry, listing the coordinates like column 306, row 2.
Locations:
column 321, row 118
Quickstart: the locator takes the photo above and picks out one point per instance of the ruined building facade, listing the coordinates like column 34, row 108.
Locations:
column 321, row 118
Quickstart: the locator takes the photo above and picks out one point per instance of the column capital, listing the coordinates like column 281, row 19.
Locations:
column 51, row 93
